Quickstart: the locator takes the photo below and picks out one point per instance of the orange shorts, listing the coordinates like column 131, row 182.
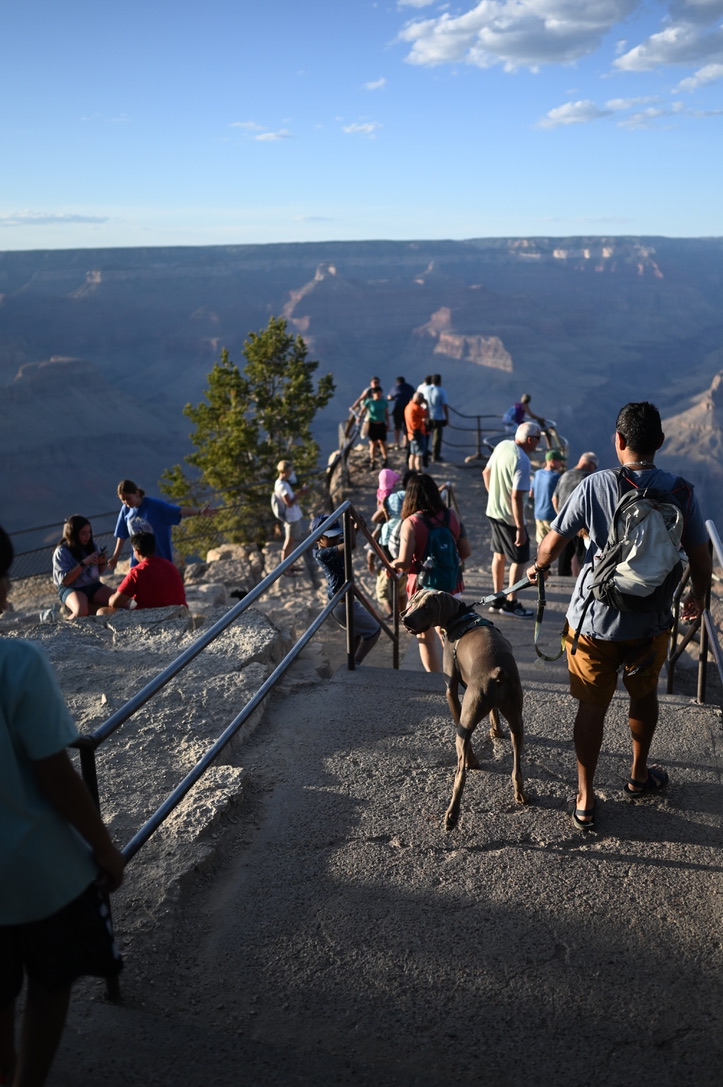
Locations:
column 595, row 665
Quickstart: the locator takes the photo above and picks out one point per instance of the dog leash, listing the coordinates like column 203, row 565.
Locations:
column 503, row 593
column 541, row 601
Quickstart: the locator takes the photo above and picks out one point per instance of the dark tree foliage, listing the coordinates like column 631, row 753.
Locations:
column 247, row 422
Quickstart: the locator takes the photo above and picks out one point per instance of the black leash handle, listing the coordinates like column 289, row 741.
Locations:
column 541, row 601
column 503, row 593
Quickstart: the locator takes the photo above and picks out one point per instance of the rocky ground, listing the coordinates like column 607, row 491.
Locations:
column 260, row 823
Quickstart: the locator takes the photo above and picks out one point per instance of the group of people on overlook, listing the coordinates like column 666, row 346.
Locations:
column 56, row 853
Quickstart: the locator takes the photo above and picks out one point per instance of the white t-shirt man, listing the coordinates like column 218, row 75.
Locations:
column 509, row 471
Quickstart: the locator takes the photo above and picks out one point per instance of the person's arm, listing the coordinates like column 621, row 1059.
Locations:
column 77, row 569
column 517, row 499
column 113, row 560
column 701, row 568
column 464, row 548
column 403, row 561
column 119, row 600
column 486, row 476
column 68, row 794
column 548, row 550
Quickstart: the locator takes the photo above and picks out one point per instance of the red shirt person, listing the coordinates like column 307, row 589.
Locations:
column 153, row 583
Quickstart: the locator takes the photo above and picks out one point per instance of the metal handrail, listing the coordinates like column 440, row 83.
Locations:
column 88, row 743
column 704, row 625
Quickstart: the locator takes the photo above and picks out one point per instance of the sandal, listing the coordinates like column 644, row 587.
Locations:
column 582, row 818
column 657, row 779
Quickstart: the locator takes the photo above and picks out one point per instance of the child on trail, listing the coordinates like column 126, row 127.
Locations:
column 329, row 554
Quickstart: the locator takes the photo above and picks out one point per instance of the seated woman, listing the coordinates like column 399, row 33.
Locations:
column 423, row 510
column 77, row 567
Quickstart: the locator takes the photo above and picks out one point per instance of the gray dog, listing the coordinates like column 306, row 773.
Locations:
column 479, row 657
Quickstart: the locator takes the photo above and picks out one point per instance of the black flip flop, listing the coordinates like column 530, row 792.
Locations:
column 657, row 780
column 582, row 818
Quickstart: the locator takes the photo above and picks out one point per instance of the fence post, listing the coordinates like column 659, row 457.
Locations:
column 349, row 597
column 89, row 774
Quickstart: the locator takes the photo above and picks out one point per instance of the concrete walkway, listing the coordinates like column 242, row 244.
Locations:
column 344, row 938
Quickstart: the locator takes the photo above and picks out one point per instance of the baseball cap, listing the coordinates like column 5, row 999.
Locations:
column 334, row 528
column 527, row 430
column 553, row 454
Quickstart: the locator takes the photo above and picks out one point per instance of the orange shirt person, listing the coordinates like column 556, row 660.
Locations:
column 416, row 414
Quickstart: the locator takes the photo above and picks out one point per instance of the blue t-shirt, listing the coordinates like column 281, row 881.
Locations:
column 331, row 560
column 591, row 506
column 44, row 863
column 153, row 515
column 542, row 485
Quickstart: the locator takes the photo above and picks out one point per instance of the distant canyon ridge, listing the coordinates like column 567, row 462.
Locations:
column 101, row 349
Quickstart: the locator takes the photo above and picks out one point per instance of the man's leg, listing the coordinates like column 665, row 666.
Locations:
column 643, row 722
column 43, row 1023
column 498, row 572
column 517, row 570
column 436, row 440
column 587, row 734
column 7, row 1040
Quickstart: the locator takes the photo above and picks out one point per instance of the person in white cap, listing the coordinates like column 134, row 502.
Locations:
column 507, row 479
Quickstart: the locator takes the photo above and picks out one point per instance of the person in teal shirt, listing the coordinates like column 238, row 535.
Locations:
column 378, row 419
column 54, row 851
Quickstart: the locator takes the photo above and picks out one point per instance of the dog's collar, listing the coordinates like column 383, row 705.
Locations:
column 464, row 622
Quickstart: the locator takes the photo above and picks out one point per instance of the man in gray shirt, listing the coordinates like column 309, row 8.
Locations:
column 610, row 640
column 571, row 556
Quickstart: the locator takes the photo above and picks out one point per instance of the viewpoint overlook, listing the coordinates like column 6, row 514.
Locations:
column 101, row 349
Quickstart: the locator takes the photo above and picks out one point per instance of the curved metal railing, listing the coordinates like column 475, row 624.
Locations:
column 706, row 629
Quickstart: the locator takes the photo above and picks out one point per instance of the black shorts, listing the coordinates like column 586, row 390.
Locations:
column 74, row 942
column 377, row 432
column 503, row 542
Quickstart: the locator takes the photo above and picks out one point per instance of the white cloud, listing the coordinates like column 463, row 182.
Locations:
column 414, row 3
column 363, row 128
column 683, row 41
column 710, row 73
column 573, row 113
column 629, row 103
column 375, row 85
column 516, row 33
column 44, row 218
column 267, row 137
column 250, row 125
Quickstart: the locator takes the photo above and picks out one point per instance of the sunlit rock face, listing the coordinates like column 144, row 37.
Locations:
column 101, row 349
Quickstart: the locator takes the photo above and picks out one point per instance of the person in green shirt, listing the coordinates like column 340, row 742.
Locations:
column 377, row 413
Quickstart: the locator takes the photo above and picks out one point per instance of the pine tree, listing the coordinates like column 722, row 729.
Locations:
column 247, row 422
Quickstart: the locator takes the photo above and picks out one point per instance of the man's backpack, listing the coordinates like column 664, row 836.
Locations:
column 278, row 506
column 440, row 563
column 640, row 565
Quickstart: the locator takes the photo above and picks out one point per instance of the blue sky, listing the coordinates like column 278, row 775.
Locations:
column 232, row 122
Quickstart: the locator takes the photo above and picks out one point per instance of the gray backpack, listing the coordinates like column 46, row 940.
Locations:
column 641, row 564
column 278, row 506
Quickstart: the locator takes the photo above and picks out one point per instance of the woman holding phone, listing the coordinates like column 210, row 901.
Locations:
column 77, row 566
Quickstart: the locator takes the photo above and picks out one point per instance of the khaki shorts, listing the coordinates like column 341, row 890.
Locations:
column 594, row 667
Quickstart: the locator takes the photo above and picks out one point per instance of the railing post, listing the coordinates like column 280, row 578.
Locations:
column 349, row 598
column 90, row 777
column 478, row 455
